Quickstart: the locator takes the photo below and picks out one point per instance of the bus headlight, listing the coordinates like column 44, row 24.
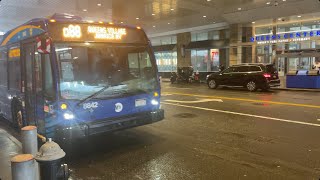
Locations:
column 68, row 116
column 154, row 102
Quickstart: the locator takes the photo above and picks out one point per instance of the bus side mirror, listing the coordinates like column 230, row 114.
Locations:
column 43, row 45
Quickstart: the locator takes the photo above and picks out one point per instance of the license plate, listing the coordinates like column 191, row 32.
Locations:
column 274, row 76
column 141, row 102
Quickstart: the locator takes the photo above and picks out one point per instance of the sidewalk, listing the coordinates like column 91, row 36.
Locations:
column 9, row 147
column 282, row 86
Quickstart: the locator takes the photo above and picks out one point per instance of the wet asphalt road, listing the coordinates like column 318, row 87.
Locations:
column 212, row 134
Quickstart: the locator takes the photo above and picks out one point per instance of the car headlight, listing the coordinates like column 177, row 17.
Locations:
column 68, row 116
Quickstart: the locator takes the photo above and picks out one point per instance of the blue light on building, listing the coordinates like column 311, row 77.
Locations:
column 282, row 36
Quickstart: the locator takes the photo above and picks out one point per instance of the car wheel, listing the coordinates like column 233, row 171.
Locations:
column 212, row 84
column 251, row 86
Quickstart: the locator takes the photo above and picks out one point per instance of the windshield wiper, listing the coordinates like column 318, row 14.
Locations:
column 93, row 95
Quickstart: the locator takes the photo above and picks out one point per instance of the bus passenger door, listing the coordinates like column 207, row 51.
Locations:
column 32, row 74
column 28, row 86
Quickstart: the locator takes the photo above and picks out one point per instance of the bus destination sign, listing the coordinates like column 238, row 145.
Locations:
column 111, row 33
column 96, row 33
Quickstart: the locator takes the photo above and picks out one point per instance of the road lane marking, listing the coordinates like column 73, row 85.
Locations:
column 244, row 114
column 177, row 88
column 192, row 102
column 165, row 94
column 247, row 100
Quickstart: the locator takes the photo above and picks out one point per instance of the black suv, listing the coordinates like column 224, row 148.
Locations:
column 250, row 76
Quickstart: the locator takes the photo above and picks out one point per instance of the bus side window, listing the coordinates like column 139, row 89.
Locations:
column 37, row 72
column 3, row 68
column 48, row 79
column 14, row 71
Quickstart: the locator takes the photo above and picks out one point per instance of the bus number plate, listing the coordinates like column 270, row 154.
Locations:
column 141, row 102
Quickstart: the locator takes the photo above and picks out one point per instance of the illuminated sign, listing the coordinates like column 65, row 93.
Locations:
column 286, row 37
column 107, row 33
column 72, row 31
column 88, row 32
column 14, row 53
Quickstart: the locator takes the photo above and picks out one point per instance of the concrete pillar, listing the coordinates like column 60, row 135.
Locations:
column 235, row 53
column 222, row 34
column 183, row 55
column 274, row 46
column 247, row 55
column 223, row 57
column 241, row 54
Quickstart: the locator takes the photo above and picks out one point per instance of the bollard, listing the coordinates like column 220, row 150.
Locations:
column 22, row 167
column 50, row 158
column 30, row 144
column 29, row 140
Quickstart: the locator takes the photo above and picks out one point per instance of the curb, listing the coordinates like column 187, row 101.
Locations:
column 292, row 89
column 280, row 89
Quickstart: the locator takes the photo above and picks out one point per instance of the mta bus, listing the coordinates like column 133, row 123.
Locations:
column 73, row 78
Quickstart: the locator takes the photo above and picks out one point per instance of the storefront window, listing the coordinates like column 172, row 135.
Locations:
column 166, row 61
column 293, row 46
column 215, row 60
column 306, row 26
column 289, row 27
column 158, row 41
column 166, row 40
column 199, row 60
column 305, row 45
column 202, row 36
column 263, row 30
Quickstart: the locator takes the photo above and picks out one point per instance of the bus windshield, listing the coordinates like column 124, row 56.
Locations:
column 87, row 68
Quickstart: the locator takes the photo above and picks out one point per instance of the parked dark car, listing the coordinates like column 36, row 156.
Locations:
column 250, row 76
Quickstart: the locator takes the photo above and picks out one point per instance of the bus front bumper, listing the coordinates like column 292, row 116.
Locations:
column 85, row 129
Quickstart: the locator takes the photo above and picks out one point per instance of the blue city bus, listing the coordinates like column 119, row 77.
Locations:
column 73, row 78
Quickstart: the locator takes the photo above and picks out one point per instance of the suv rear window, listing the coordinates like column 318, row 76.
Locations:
column 270, row 68
column 254, row 68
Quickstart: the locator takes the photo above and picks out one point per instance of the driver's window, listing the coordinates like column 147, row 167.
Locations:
column 229, row 70
column 140, row 64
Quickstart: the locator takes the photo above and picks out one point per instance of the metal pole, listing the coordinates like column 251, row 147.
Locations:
column 22, row 167
column 29, row 140
column 30, row 144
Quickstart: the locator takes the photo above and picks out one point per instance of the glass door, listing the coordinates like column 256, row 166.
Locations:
column 305, row 63
column 293, row 64
column 281, row 66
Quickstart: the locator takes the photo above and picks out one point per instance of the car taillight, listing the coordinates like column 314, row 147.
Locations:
column 267, row 75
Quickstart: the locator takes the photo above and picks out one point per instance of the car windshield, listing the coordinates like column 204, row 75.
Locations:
column 88, row 68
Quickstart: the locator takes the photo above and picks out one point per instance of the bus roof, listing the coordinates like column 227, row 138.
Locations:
column 38, row 26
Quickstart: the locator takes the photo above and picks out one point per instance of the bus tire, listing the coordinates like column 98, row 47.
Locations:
column 16, row 112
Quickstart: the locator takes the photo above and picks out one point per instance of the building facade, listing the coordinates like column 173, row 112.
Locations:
column 290, row 46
